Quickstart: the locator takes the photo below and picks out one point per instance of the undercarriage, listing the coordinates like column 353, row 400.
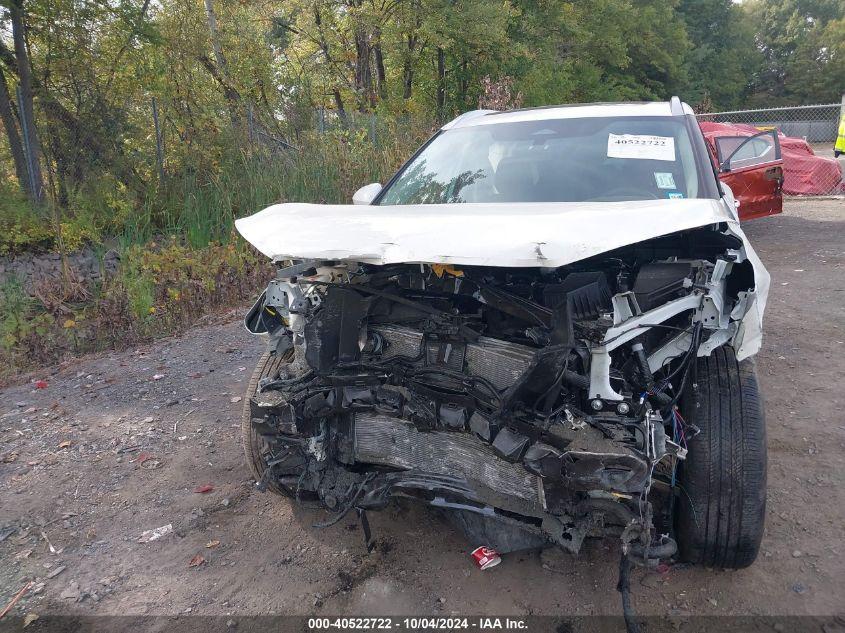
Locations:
column 539, row 406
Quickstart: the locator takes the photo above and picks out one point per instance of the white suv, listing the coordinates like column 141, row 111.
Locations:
column 541, row 324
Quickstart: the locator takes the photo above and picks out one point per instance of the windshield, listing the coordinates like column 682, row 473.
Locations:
column 560, row 160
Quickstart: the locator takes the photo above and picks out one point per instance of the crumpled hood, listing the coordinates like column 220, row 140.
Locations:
column 507, row 234
column 502, row 234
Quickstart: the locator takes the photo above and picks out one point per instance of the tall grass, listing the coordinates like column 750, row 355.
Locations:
column 201, row 206
column 206, row 189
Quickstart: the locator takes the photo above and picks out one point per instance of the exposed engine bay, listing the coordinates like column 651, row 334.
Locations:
column 541, row 399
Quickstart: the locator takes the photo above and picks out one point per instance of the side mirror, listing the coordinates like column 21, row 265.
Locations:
column 366, row 194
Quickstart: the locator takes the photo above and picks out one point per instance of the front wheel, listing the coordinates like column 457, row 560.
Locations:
column 722, row 502
column 287, row 467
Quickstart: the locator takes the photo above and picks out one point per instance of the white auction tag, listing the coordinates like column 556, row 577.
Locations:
column 641, row 146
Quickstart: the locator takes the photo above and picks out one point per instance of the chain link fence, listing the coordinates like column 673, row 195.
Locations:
column 807, row 136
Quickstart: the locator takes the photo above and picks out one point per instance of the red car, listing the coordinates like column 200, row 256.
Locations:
column 750, row 163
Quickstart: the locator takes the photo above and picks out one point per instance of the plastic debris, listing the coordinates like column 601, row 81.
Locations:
column 485, row 557
column 212, row 544
column 153, row 535
column 40, row 384
column 204, row 488
column 196, row 561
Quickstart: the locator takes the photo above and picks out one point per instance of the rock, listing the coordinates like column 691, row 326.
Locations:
column 71, row 592
column 55, row 572
column 799, row 588
column 796, row 554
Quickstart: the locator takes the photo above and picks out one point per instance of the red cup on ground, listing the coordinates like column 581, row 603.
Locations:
column 486, row 557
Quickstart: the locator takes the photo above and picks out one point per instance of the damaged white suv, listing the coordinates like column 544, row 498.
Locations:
column 542, row 325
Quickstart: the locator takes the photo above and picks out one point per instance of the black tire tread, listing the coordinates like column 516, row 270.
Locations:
column 268, row 364
column 722, row 504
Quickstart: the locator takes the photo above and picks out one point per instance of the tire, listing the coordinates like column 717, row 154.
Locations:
column 721, row 509
column 255, row 448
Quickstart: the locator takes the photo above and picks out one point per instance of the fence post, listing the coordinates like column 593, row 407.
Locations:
column 159, row 142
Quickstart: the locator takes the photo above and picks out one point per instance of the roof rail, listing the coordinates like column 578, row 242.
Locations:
column 676, row 106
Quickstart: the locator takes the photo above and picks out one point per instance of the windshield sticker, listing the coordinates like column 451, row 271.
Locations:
column 665, row 180
column 641, row 146
column 674, row 194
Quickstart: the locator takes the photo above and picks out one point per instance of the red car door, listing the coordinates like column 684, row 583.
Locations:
column 753, row 168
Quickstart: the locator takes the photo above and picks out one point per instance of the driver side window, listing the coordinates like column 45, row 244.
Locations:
column 736, row 152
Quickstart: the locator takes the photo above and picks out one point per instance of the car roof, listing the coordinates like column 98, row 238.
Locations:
column 575, row 111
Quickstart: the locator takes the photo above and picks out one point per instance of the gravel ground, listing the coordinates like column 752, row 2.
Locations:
column 120, row 443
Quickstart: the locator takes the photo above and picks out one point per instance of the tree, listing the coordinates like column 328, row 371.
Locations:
column 10, row 124
column 723, row 55
column 29, row 133
column 801, row 45
column 603, row 50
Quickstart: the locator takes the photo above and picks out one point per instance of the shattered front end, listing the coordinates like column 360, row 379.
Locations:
column 538, row 405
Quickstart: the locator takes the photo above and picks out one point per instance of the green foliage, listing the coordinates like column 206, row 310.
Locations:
column 19, row 322
column 723, row 54
column 802, row 43
column 24, row 228
column 137, row 284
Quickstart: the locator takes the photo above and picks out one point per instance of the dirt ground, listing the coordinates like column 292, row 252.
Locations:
column 120, row 443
